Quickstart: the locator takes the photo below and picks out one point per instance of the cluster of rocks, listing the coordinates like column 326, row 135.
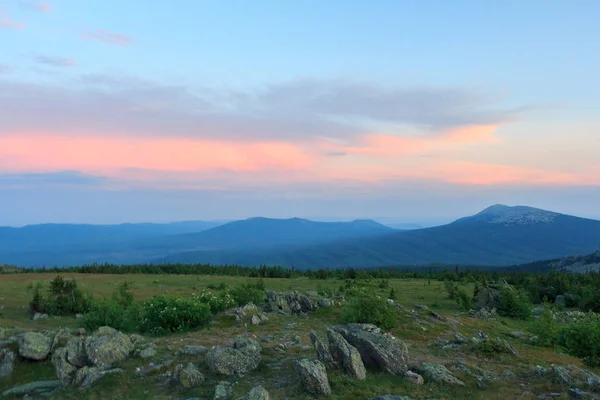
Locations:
column 243, row 357
column 294, row 302
column 248, row 314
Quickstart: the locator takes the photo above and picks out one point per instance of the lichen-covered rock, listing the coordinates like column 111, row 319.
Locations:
column 347, row 355
column 572, row 375
column 61, row 338
column 223, row 390
column 413, row 377
column 148, row 352
column 40, row 387
column 377, row 350
column 323, row 353
column 242, row 358
column 313, row 376
column 509, row 348
column 487, row 298
column 108, row 346
column 35, row 346
column 293, row 302
column 65, row 371
column 256, row 393
column 439, row 373
column 189, row 376
column 191, row 350
column 7, row 363
column 86, row 377
column 75, row 350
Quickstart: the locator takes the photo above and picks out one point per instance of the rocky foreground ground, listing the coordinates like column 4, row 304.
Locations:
column 291, row 348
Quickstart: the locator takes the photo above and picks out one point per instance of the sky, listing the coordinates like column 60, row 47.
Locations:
column 403, row 111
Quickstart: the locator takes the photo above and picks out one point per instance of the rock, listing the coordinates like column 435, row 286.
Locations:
column 391, row 397
column 78, row 316
column 509, row 348
column 459, row 338
column 35, row 346
column 540, row 371
column 578, row 394
column 560, row 301
column 81, row 332
column 148, row 352
column 346, row 355
column 377, row 350
column 323, row 353
column 508, row 374
column 324, row 302
column 482, row 335
column 37, row 316
column 256, row 393
column 190, row 350
column 413, row 377
column 61, row 338
column 189, row 377
column 243, row 358
column 421, row 307
column 439, row 373
column 86, row 377
column 313, row 376
column 223, row 390
column 290, row 302
column 573, row 376
column 107, row 346
column 137, row 339
column 518, row 335
column 437, row 316
column 255, row 320
column 39, row 387
column 64, row 370
column 76, row 354
column 7, row 363
column 487, row 298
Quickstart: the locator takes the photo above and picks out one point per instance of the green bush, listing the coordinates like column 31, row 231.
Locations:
column 514, row 304
column 244, row 293
column 463, row 299
column 109, row 312
column 392, row 295
column 370, row 309
column 167, row 313
column 62, row 298
column 217, row 302
column 581, row 339
column 450, row 289
column 220, row 286
column 546, row 328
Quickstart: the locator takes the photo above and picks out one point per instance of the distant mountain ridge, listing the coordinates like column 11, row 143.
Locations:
column 497, row 236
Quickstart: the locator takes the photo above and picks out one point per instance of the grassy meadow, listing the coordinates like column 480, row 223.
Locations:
column 416, row 328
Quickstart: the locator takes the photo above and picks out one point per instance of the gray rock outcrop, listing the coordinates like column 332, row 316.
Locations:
column 35, row 346
column 346, row 355
column 439, row 373
column 245, row 356
column 313, row 377
column 7, row 363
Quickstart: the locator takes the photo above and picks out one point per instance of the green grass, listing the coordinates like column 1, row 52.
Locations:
column 276, row 371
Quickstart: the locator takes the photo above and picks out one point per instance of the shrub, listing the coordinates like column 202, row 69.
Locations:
column 392, row 295
column 581, row 338
column 514, row 304
column 546, row 328
column 489, row 348
column 370, row 309
column 463, row 299
column 167, row 313
column 217, row 303
column 109, row 312
column 62, row 298
column 450, row 289
column 245, row 293
column 123, row 296
column 220, row 286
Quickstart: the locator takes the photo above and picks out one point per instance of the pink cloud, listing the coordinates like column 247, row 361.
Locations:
column 6, row 22
column 105, row 36
column 40, row 6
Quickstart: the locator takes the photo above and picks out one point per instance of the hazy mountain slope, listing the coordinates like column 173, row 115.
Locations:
column 499, row 235
column 575, row 264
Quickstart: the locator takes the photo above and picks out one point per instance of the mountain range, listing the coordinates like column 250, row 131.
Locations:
column 497, row 236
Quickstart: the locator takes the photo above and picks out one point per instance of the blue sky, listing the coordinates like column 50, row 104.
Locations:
column 333, row 109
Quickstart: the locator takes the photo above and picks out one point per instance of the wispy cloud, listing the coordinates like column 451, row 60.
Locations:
column 56, row 61
column 37, row 179
column 5, row 69
column 105, row 36
column 6, row 21
column 40, row 6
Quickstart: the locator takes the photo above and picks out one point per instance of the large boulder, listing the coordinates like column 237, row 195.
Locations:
column 65, row 371
column 189, row 376
column 377, row 350
column 87, row 376
column 242, row 358
column 572, row 375
column 256, row 393
column 313, row 377
column 223, row 390
column 439, row 373
column 293, row 302
column 346, row 355
column 108, row 346
column 487, row 298
column 76, row 353
column 323, row 353
column 7, row 363
column 35, row 346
